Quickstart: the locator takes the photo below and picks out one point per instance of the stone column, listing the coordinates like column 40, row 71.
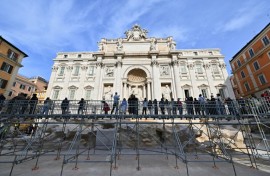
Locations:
column 155, row 75
column 148, row 91
column 125, row 90
column 118, row 81
column 175, row 64
column 98, row 79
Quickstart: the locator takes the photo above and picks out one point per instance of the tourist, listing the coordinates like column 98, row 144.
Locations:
column 33, row 103
column 150, row 108
column 180, row 106
column 47, row 106
column 81, row 106
column 106, row 107
column 197, row 106
column 155, row 106
column 123, row 106
column 65, row 106
column 174, row 106
column 201, row 100
column 145, row 105
column 161, row 106
column 115, row 103
column 2, row 102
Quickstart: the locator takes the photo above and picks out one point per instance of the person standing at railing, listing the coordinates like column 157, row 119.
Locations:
column 150, row 107
column 33, row 103
column 202, row 102
column 155, row 103
column 145, row 104
column 174, row 106
column 123, row 106
column 2, row 101
column 64, row 106
column 47, row 106
column 162, row 106
column 180, row 106
column 106, row 107
column 81, row 106
column 115, row 103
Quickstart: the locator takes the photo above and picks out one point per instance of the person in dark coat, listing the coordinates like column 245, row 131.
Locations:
column 33, row 103
column 2, row 101
column 81, row 106
column 155, row 106
column 64, row 106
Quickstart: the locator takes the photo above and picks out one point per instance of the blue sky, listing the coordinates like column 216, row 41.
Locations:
column 43, row 28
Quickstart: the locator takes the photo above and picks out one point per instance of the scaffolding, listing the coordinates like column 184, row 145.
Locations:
column 91, row 136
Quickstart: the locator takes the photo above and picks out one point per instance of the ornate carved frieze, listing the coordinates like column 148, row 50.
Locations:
column 84, row 67
column 164, row 70
column 206, row 66
column 109, row 71
column 55, row 68
column 175, row 63
column 154, row 62
column 223, row 65
column 136, row 33
column 190, row 66
column 69, row 67
column 99, row 64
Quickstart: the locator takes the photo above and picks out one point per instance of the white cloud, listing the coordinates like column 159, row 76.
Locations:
column 243, row 17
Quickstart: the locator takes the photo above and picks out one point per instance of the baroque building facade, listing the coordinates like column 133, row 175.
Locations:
column 147, row 67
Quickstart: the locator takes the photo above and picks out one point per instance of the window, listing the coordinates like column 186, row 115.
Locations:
column 251, row 52
column 195, row 53
column 222, row 93
column 256, row 65
column 14, row 84
column 55, row 94
column 22, row 86
column 238, row 63
column 3, row 83
column 79, row 55
column 210, row 53
column 243, row 74
column 76, row 70
column 183, row 68
column 87, row 94
column 6, row 67
column 12, row 55
column 204, row 93
column 265, row 41
column 61, row 72
column 247, row 86
column 215, row 68
column 186, row 93
column 29, row 89
column 198, row 68
column 65, row 56
column 91, row 70
column 72, row 94
column 262, row 79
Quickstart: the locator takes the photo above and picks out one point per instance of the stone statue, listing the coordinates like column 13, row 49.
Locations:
column 137, row 92
column 167, row 93
column 153, row 45
column 171, row 44
column 108, row 93
column 100, row 46
column 119, row 45
column 136, row 33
